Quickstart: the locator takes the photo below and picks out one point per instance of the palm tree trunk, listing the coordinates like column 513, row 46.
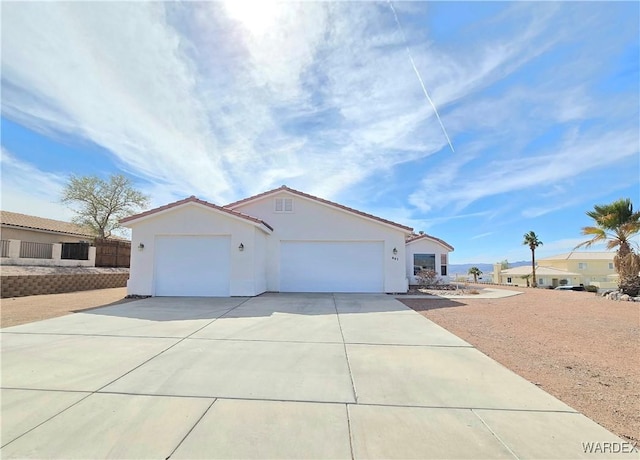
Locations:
column 534, row 283
column 627, row 265
column 629, row 284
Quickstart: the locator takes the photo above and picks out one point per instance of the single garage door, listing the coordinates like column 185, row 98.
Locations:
column 337, row 266
column 192, row 266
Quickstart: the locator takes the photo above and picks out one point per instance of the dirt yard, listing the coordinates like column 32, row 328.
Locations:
column 580, row 348
column 20, row 310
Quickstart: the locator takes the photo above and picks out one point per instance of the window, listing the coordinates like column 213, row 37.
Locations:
column 509, row 280
column 610, row 265
column 540, row 281
column 443, row 264
column 284, row 204
column 582, row 265
column 424, row 262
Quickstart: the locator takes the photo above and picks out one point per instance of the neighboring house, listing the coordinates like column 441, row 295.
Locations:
column 15, row 226
column 426, row 252
column 574, row 268
column 31, row 240
column 281, row 240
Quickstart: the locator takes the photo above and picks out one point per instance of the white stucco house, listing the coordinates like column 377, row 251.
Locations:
column 426, row 252
column 282, row 240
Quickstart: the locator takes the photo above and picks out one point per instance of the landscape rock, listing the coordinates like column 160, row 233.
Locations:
column 617, row 295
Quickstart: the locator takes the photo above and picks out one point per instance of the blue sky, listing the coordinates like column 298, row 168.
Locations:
column 225, row 100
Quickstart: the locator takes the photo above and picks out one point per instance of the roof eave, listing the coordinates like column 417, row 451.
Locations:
column 130, row 221
column 44, row 230
column 431, row 238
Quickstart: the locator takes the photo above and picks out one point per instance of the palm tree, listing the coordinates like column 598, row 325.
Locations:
column 475, row 271
column 531, row 240
column 616, row 224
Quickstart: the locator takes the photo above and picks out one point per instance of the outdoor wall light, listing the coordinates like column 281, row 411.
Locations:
column 140, row 246
column 395, row 251
column 241, row 247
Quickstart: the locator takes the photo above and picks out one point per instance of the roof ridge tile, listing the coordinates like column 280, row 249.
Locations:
column 27, row 221
column 320, row 200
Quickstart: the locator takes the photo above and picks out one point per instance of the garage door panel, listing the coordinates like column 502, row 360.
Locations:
column 195, row 266
column 340, row 266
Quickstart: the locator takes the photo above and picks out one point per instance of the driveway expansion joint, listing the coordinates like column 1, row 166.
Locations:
column 495, row 435
column 191, row 429
column 263, row 340
column 180, row 340
column 223, row 398
column 96, row 334
column 408, row 345
column 346, row 407
column 47, row 419
column 346, row 354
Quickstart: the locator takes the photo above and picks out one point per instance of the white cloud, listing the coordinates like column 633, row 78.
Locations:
column 112, row 73
column 134, row 79
column 200, row 104
column 534, row 172
column 482, row 235
column 25, row 187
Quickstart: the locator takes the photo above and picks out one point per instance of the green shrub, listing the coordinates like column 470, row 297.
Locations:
column 591, row 288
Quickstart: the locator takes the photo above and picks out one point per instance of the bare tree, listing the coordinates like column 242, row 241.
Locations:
column 100, row 204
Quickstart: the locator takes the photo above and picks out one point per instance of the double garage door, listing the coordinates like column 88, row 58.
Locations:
column 336, row 266
column 200, row 266
column 192, row 266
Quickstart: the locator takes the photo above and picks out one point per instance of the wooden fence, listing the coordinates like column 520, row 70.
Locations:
column 112, row 253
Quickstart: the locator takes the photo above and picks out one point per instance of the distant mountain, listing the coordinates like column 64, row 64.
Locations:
column 463, row 269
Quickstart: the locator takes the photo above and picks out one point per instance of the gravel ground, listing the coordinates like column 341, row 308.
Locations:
column 580, row 348
column 20, row 310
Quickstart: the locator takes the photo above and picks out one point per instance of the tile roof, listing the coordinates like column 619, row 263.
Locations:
column 193, row 199
column 540, row 270
column 15, row 219
column 583, row 255
column 284, row 188
column 414, row 237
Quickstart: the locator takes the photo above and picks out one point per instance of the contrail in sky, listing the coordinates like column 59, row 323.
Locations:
column 415, row 69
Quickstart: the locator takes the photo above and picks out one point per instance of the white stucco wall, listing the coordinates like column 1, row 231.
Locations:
column 13, row 258
column 260, row 260
column 313, row 221
column 194, row 219
column 425, row 246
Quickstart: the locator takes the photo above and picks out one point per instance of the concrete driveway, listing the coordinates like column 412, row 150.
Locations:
column 275, row 376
